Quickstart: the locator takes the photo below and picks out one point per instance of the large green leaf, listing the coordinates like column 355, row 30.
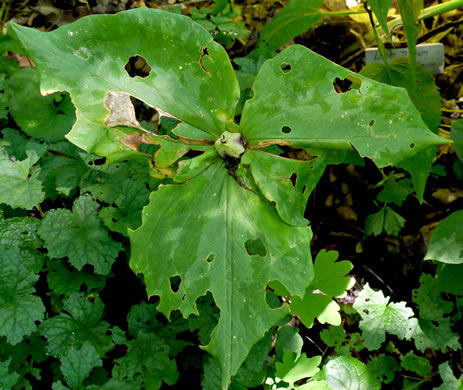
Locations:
column 446, row 240
column 295, row 18
column 296, row 104
column 209, row 254
column 191, row 76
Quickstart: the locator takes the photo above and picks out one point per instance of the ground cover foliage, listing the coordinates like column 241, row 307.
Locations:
column 155, row 208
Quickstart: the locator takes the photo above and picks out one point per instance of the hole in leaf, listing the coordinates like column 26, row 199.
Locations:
column 286, row 129
column 372, row 123
column 255, row 247
column 147, row 116
column 366, row 311
column 305, row 187
column 341, row 86
column 293, row 179
column 210, row 258
column 273, row 300
column 175, row 283
column 285, row 67
column 204, row 53
column 137, row 66
column 412, row 145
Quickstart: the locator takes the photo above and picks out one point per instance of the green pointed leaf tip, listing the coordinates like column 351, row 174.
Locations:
column 191, row 76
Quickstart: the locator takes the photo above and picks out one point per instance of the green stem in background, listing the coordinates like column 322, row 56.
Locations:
column 447, row 110
column 415, row 385
column 344, row 12
column 381, row 47
column 39, row 209
column 426, row 13
column 4, row 12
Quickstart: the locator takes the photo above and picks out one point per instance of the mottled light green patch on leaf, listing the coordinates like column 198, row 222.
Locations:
column 346, row 373
column 147, row 363
column 272, row 175
column 209, row 254
column 295, row 102
column 295, row 18
column 80, row 236
column 379, row 316
column 79, row 322
column 417, row 364
column 293, row 369
column 43, row 117
column 329, row 282
column 7, row 379
column 20, row 231
column 63, row 280
column 450, row 381
column 381, row 8
column 446, row 244
column 423, row 92
column 77, row 364
column 190, row 76
column 383, row 368
column 19, row 308
column 19, row 186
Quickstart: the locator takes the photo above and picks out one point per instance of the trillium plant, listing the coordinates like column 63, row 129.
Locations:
column 229, row 219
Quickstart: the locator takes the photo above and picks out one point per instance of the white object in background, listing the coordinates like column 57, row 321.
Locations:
column 430, row 55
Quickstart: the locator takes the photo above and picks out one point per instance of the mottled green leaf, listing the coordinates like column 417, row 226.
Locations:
column 329, row 282
column 80, row 322
column 147, row 362
column 19, row 186
column 347, row 373
column 19, row 308
column 43, row 117
column 209, row 254
column 446, row 243
column 273, row 175
column 190, row 76
column 296, row 104
column 379, row 316
column 295, row 18
column 77, row 364
column 80, row 236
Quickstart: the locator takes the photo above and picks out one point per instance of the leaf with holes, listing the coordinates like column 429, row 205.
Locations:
column 234, row 220
column 210, row 254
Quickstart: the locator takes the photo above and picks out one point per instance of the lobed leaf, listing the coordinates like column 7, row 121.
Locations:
column 80, row 236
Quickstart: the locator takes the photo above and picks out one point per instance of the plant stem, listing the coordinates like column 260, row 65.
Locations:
column 343, row 12
column 426, row 13
column 39, row 209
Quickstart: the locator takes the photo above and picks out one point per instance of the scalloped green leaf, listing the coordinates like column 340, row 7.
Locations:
column 296, row 104
column 379, row 316
column 293, row 369
column 80, row 236
column 209, row 254
column 329, row 282
column 191, row 76
column 19, row 308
